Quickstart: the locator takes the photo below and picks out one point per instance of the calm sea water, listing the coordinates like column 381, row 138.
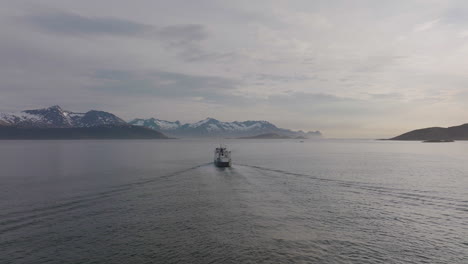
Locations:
column 330, row 201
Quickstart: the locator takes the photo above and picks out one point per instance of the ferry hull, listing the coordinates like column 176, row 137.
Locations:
column 222, row 164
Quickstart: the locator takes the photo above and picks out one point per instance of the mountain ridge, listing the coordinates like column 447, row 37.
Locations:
column 56, row 117
column 211, row 127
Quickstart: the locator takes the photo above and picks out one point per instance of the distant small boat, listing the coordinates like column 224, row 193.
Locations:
column 222, row 157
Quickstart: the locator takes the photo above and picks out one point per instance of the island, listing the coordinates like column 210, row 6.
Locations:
column 436, row 134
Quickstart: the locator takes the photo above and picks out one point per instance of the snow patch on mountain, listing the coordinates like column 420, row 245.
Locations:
column 168, row 125
column 15, row 117
column 156, row 124
column 202, row 122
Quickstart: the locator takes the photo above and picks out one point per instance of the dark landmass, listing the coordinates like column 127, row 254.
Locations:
column 439, row 134
column 102, row 132
column 267, row 136
column 438, row 141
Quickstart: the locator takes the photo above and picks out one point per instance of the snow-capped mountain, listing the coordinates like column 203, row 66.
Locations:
column 156, row 124
column 56, row 117
column 211, row 127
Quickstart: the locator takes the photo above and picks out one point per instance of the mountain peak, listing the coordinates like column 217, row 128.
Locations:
column 55, row 107
column 205, row 121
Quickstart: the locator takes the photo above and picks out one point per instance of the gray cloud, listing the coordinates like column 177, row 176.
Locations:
column 168, row 84
column 67, row 23
column 197, row 54
column 320, row 103
column 377, row 63
column 183, row 39
column 457, row 15
column 75, row 24
column 283, row 78
column 386, row 96
column 181, row 35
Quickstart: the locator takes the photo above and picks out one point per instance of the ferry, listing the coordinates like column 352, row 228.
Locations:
column 222, row 157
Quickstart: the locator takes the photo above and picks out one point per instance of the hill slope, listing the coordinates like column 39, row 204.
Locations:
column 436, row 133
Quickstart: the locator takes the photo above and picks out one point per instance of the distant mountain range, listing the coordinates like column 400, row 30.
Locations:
column 211, row 127
column 56, row 123
column 436, row 133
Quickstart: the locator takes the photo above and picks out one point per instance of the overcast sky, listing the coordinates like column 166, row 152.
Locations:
column 361, row 68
